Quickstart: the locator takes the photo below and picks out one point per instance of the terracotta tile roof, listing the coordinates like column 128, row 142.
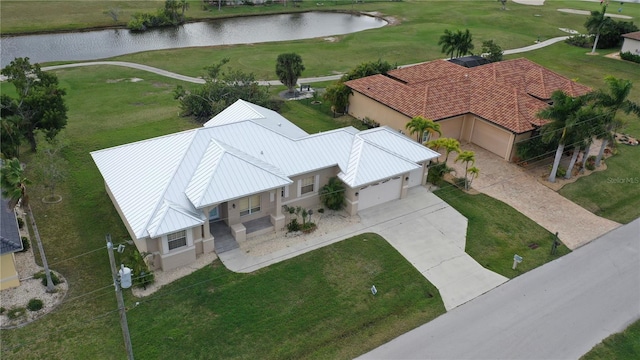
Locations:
column 507, row 93
column 633, row 35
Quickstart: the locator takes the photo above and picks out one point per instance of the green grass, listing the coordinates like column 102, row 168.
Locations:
column 105, row 110
column 496, row 232
column 318, row 305
column 620, row 346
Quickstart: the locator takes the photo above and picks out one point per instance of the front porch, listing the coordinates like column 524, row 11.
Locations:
column 226, row 237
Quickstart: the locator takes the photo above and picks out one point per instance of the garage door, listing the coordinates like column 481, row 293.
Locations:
column 491, row 138
column 415, row 177
column 379, row 193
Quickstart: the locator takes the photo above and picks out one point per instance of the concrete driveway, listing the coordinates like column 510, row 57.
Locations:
column 428, row 232
column 522, row 191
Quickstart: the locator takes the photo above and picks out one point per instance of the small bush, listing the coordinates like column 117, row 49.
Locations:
column 436, row 172
column 16, row 313
column 42, row 276
column 460, row 182
column 308, row 227
column 20, row 223
column 35, row 305
column 561, row 172
column 25, row 244
column 293, row 226
column 2, row 310
column 591, row 163
column 627, row 55
column 583, row 41
column 321, row 210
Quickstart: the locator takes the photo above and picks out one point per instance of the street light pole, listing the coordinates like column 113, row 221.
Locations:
column 123, row 314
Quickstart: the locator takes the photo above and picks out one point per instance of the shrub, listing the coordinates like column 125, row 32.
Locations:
column 293, row 225
column 321, row 210
column 16, row 313
column 460, row 183
column 591, row 163
column 2, row 310
column 437, row 171
column 534, row 148
column 25, row 244
column 332, row 194
column 308, row 227
column 41, row 275
column 627, row 55
column 561, row 172
column 581, row 40
column 20, row 223
column 35, row 305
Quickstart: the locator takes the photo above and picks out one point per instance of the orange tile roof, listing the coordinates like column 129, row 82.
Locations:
column 508, row 93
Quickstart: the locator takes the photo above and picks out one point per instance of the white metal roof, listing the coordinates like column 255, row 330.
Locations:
column 161, row 184
column 245, row 111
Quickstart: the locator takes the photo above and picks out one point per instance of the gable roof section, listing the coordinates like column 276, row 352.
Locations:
column 161, row 184
column 10, row 240
column 170, row 218
column 245, row 111
column 369, row 163
column 507, row 93
column 225, row 173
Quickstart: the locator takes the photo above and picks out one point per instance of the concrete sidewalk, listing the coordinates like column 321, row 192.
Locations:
column 428, row 232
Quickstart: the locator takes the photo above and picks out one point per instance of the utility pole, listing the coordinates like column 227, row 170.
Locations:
column 123, row 314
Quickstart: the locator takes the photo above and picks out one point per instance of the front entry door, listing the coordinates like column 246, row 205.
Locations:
column 214, row 214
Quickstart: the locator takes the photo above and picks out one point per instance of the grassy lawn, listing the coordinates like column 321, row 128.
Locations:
column 496, row 232
column 268, row 315
column 621, row 346
column 107, row 110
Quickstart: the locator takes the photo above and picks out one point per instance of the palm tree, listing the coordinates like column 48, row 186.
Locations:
column 448, row 43
column 562, row 116
column 419, row 126
column 332, row 194
column 473, row 172
column 289, row 67
column 582, row 133
column 14, row 187
column 596, row 21
column 468, row 158
column 464, row 43
column 458, row 43
column 612, row 100
column 184, row 4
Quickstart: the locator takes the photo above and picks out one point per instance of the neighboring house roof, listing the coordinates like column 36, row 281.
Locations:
column 10, row 240
column 507, row 93
column 161, row 183
column 632, row 36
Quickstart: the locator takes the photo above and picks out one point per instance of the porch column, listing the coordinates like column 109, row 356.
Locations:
column 277, row 218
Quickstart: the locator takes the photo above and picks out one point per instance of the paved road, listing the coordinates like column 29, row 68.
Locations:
column 558, row 311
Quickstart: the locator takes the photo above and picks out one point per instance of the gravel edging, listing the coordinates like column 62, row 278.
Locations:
column 30, row 288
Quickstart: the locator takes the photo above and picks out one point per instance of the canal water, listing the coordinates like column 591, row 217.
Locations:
column 93, row 45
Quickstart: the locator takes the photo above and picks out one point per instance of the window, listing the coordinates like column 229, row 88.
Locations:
column 425, row 136
column 249, row 205
column 307, row 185
column 177, row 239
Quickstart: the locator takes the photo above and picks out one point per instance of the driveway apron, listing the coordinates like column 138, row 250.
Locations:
column 428, row 232
column 514, row 186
